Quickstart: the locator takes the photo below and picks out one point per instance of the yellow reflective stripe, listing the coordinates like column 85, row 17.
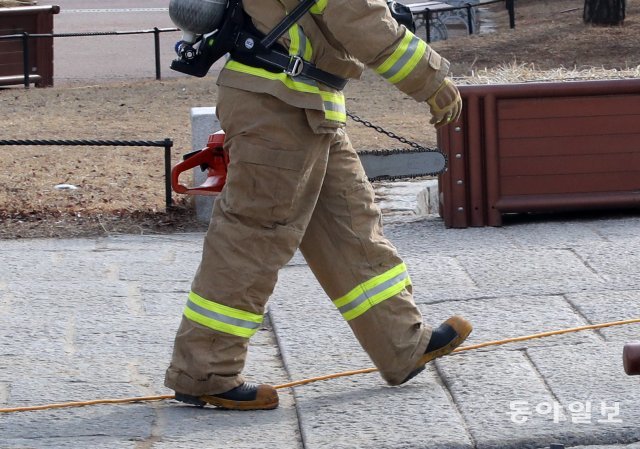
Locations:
column 294, row 37
column 308, row 51
column 411, row 63
column 319, row 7
column 299, row 44
column 334, row 106
column 404, row 59
column 372, row 292
column 335, row 116
column 396, row 55
column 282, row 77
column 221, row 318
column 376, row 299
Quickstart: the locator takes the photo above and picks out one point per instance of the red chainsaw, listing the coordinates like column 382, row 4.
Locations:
column 212, row 159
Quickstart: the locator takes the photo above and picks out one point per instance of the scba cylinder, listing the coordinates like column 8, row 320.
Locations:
column 197, row 16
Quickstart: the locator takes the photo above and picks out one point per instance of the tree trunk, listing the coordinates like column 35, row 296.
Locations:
column 604, row 12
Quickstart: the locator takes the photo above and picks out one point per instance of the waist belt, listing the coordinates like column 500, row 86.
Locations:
column 248, row 50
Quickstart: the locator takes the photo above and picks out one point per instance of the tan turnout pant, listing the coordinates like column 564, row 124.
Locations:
column 288, row 187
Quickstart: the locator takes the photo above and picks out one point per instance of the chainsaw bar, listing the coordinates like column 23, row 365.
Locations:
column 399, row 163
column 402, row 163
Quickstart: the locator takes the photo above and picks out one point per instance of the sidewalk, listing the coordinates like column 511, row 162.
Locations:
column 95, row 318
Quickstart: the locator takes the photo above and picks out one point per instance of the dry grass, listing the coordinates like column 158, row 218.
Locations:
column 526, row 73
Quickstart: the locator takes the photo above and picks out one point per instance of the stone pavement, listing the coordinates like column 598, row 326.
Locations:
column 85, row 319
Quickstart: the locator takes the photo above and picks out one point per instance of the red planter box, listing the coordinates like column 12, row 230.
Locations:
column 541, row 147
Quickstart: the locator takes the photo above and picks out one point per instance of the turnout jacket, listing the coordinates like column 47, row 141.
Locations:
column 340, row 37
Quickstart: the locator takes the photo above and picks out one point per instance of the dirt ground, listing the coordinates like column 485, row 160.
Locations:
column 121, row 189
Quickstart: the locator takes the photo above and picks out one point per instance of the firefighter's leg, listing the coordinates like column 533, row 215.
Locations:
column 361, row 271
column 258, row 221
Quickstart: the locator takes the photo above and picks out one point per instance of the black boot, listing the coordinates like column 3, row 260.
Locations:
column 247, row 396
column 447, row 337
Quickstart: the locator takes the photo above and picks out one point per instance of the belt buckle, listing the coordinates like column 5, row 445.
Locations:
column 295, row 66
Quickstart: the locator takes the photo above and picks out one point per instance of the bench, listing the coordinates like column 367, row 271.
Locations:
column 442, row 15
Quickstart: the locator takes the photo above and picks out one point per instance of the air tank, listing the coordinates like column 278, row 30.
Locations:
column 196, row 17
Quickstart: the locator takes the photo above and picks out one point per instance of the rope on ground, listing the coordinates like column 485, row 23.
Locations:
column 329, row 376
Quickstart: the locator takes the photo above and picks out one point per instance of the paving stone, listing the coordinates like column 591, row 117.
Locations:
column 428, row 236
column 610, row 306
column 440, row 278
column 4, row 393
column 117, row 423
column 364, row 413
column 529, row 271
column 491, row 390
column 98, row 441
column 617, row 228
column 591, row 374
column 553, row 234
column 515, row 316
column 609, row 446
column 614, row 262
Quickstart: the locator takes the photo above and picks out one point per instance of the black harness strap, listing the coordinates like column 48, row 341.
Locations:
column 286, row 23
column 251, row 50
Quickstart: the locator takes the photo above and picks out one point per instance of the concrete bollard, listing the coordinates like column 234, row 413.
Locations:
column 203, row 123
column 428, row 200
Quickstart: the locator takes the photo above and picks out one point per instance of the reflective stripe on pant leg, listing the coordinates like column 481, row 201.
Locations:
column 366, row 295
column 221, row 318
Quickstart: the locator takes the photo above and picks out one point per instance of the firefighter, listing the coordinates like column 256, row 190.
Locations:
column 295, row 181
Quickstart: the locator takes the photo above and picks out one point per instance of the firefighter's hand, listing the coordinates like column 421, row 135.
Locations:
column 445, row 104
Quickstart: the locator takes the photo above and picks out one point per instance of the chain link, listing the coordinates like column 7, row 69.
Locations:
column 390, row 134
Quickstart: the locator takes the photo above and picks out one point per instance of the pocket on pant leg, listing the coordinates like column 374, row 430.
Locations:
column 366, row 223
column 363, row 212
column 263, row 183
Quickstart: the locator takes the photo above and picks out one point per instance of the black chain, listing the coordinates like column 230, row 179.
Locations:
column 391, row 134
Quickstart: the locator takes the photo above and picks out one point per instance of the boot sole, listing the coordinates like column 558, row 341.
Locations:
column 463, row 328
column 269, row 403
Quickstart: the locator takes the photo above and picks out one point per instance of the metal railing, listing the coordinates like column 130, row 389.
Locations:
column 428, row 14
column 24, row 36
column 167, row 144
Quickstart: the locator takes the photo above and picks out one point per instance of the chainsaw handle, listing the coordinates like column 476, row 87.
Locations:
column 211, row 158
column 203, row 157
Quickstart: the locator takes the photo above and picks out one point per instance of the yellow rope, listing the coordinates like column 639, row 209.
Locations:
column 326, row 377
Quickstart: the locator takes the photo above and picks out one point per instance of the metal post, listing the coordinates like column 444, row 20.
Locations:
column 168, row 143
column 427, row 23
column 512, row 14
column 25, row 58
column 469, row 19
column 156, row 39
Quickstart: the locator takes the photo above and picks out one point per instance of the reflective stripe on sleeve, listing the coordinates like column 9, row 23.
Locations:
column 404, row 59
column 366, row 295
column 220, row 317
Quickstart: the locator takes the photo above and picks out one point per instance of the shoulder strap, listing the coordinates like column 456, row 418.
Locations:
column 286, row 23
